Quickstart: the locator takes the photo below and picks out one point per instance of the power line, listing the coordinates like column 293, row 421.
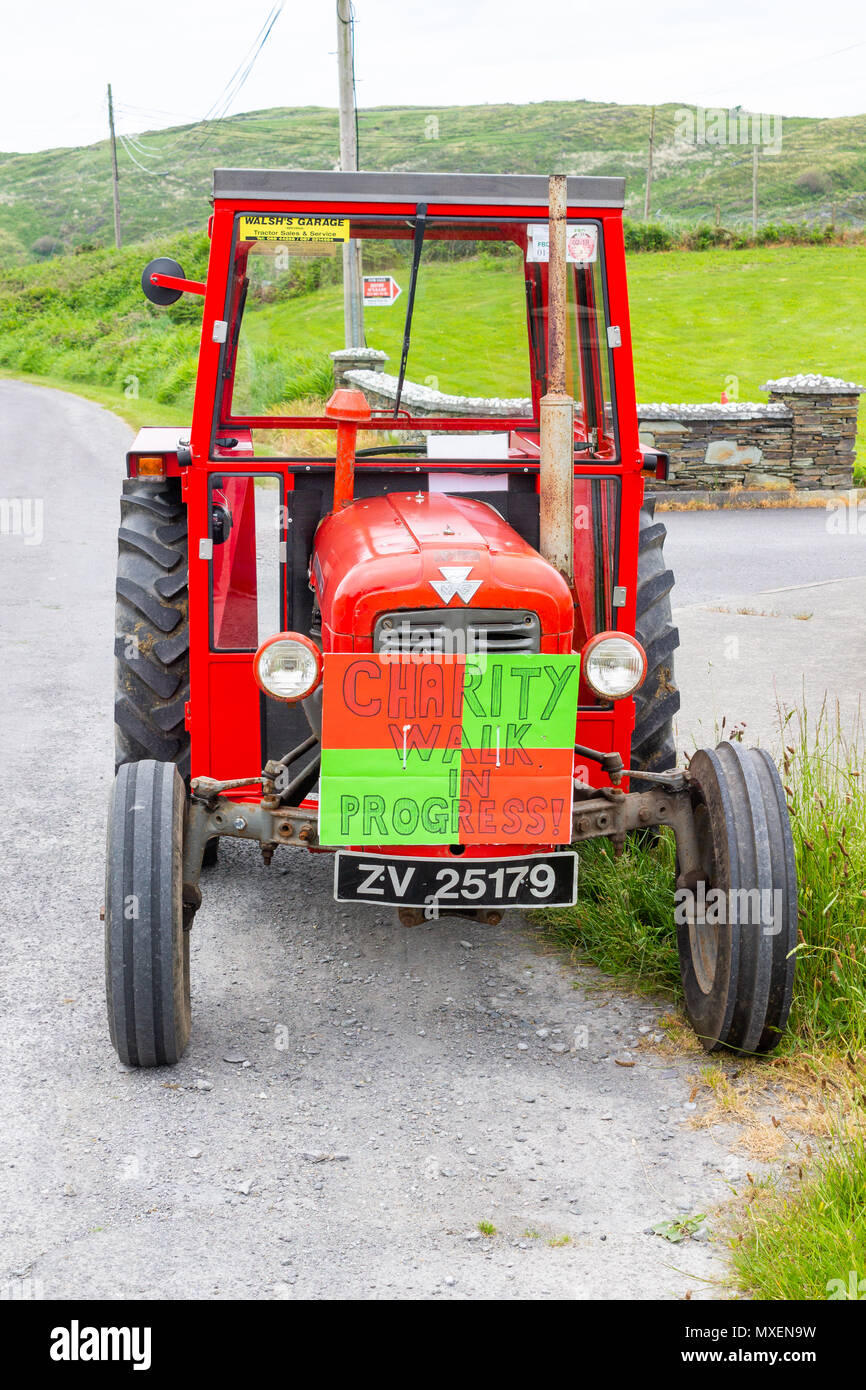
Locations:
column 786, row 67
column 155, row 173
column 154, row 111
column 144, row 149
column 255, row 47
column 233, row 87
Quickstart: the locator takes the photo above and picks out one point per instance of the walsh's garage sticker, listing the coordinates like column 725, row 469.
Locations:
column 273, row 226
column 472, row 750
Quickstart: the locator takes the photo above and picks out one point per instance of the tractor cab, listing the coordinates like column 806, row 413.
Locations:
column 403, row 601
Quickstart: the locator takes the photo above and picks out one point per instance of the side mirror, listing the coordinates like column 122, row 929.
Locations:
column 163, row 281
column 160, row 294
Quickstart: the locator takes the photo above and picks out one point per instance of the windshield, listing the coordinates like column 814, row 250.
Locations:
column 477, row 349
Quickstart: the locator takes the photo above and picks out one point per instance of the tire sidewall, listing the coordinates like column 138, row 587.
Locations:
column 146, row 946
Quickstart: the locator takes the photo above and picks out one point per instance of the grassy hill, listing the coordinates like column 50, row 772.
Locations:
column 699, row 319
column 65, row 194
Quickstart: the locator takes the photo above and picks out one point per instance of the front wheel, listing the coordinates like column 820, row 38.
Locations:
column 737, row 922
column 146, row 944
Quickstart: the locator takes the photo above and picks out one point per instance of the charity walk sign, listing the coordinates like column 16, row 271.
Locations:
column 380, row 289
column 475, row 749
column 581, row 242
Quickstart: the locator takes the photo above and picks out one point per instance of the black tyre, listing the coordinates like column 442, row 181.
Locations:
column 738, row 972
column 146, row 945
column 151, row 643
column 658, row 699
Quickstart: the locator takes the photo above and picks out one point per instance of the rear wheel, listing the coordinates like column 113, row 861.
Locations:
column 146, row 944
column 658, row 699
column 737, row 925
column 151, row 644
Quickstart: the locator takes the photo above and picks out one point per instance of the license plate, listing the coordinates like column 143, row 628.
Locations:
column 533, row 880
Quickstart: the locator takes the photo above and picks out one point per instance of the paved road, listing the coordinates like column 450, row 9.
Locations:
column 411, row 1059
column 719, row 556
column 771, row 609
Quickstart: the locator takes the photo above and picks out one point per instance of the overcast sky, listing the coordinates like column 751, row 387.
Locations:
column 170, row 62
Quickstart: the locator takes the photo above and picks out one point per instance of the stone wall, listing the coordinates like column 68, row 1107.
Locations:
column 803, row 437
column 381, row 391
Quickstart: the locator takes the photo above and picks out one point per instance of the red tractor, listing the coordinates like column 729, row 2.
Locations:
column 423, row 624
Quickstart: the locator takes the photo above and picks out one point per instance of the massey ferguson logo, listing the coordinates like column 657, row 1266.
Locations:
column 455, row 581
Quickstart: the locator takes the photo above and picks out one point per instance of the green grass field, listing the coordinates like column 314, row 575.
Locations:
column 699, row 318
column 701, row 321
column 468, row 328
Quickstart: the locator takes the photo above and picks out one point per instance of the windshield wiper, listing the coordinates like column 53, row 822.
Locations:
column 537, row 336
column 420, row 225
column 391, row 449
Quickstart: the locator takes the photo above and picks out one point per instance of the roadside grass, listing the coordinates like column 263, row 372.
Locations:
column 623, row 920
column 792, row 1233
column 824, row 771
column 806, row 1240
column 83, row 320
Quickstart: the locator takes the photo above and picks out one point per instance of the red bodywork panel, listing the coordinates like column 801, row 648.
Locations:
column 382, row 553
column 154, row 439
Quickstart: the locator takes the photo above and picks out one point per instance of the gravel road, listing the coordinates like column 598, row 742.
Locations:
column 357, row 1097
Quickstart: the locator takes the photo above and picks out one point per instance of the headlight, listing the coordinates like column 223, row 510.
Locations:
column 613, row 665
column 288, row 666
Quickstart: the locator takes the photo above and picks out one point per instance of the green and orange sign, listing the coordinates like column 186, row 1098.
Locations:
column 475, row 749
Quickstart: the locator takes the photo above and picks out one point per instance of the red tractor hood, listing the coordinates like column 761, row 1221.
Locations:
column 429, row 550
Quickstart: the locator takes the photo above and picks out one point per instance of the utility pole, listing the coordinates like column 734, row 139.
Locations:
column 649, row 166
column 353, row 311
column 754, row 190
column 114, row 180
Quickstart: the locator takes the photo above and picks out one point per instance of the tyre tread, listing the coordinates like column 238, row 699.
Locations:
column 152, row 626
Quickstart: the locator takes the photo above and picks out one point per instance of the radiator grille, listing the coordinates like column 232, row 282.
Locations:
column 438, row 631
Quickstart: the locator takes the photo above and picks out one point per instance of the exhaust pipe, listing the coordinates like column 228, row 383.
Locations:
column 556, row 466
column 350, row 409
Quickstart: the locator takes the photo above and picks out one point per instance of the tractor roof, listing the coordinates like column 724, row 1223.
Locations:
column 267, row 185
